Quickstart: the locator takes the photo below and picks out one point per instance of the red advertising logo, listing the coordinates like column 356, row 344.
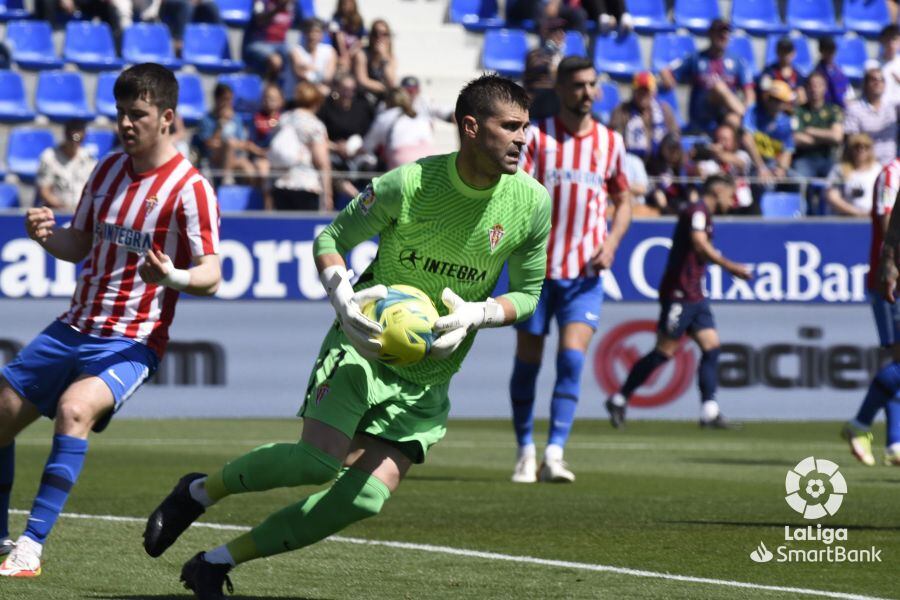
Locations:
column 619, row 349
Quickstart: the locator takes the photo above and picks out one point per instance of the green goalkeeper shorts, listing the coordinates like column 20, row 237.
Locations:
column 356, row 395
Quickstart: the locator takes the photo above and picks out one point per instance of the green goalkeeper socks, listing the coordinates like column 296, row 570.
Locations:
column 355, row 496
column 272, row 466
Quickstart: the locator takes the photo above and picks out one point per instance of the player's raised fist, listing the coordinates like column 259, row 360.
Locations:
column 39, row 223
column 156, row 265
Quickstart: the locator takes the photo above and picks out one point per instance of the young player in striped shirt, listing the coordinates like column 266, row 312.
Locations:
column 579, row 161
column 145, row 216
column 884, row 388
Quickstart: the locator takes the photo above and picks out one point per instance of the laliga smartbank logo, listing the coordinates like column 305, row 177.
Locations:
column 815, row 489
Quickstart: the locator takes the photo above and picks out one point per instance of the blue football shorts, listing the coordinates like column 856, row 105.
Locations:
column 887, row 320
column 678, row 318
column 60, row 354
column 570, row 301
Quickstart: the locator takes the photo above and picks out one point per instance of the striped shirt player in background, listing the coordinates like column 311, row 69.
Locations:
column 683, row 306
column 579, row 161
column 884, row 388
column 144, row 216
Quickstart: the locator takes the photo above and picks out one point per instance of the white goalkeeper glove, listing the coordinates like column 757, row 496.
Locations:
column 463, row 318
column 359, row 329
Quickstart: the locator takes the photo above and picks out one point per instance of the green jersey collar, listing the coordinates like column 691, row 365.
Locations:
column 464, row 188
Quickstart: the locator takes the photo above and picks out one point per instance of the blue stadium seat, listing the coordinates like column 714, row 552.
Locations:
column 866, row 17
column 504, row 51
column 104, row 101
column 782, row 204
column 511, row 6
column 696, row 15
column 650, row 16
column 802, row 63
column 575, row 44
column 671, row 98
column 668, row 47
column 757, row 17
column 9, row 195
column 618, row 54
column 191, row 102
column 476, row 15
column 149, row 42
column 60, row 96
column 247, row 88
column 32, row 45
column 13, row 9
column 741, row 46
column 24, row 150
column 851, row 56
column 812, row 17
column 206, row 47
column 305, row 9
column 689, row 141
column 100, row 141
column 90, row 46
column 236, row 13
column 236, row 198
column 609, row 99
column 13, row 103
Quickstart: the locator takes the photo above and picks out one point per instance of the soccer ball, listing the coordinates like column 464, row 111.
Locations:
column 406, row 315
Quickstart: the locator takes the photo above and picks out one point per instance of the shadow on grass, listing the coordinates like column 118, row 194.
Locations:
column 188, row 594
column 451, row 479
column 781, row 525
column 747, row 462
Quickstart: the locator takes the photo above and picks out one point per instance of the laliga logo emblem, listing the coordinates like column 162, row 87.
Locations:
column 812, row 501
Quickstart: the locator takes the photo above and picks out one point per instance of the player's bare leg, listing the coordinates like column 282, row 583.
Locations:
column 529, row 352
column 373, row 469
column 15, row 415
column 616, row 404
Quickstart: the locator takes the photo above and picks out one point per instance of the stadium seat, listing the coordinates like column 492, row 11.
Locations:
column 668, row 47
column 100, row 141
column 13, row 9
column 527, row 24
column 650, row 16
column 671, row 98
column 9, row 195
column 782, row 204
column 191, row 102
column 476, row 15
column 618, row 54
column 575, row 44
column 866, row 17
column 90, row 46
column 104, row 101
column 689, row 141
column 803, row 62
column 236, row 198
column 149, row 42
column 247, row 89
column 741, row 46
column 305, row 9
column 24, row 149
column 13, row 103
column 206, row 47
column 757, row 17
column 851, row 56
column 236, row 13
column 812, row 17
column 60, row 96
column 696, row 15
column 504, row 51
column 608, row 101
column 31, row 45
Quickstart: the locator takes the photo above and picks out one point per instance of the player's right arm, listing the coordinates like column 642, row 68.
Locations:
column 704, row 247
column 65, row 243
column 887, row 267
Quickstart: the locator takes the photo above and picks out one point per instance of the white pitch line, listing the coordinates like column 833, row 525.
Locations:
column 530, row 560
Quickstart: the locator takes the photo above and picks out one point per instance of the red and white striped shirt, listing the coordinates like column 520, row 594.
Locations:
column 171, row 208
column 580, row 172
column 887, row 186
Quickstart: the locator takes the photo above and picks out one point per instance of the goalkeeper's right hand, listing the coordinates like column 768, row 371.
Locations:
column 359, row 329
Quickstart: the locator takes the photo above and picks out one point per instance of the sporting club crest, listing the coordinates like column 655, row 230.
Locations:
column 149, row 204
column 495, row 234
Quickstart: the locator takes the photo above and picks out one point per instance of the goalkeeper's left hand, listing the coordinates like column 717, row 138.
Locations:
column 463, row 318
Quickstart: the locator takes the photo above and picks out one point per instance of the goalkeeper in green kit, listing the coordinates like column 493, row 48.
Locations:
column 446, row 225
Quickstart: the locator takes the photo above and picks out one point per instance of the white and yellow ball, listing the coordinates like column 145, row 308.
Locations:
column 406, row 316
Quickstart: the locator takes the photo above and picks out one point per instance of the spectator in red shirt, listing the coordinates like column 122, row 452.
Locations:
column 264, row 47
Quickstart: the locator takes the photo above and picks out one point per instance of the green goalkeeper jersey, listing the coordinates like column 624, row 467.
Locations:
column 435, row 232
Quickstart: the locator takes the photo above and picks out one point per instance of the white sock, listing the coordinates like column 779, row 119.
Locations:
column 857, row 425
column 618, row 399
column 526, row 450
column 197, row 490
column 26, row 542
column 219, row 556
column 553, row 452
column 894, row 448
column 709, row 410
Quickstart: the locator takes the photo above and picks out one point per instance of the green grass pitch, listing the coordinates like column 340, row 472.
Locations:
column 661, row 497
